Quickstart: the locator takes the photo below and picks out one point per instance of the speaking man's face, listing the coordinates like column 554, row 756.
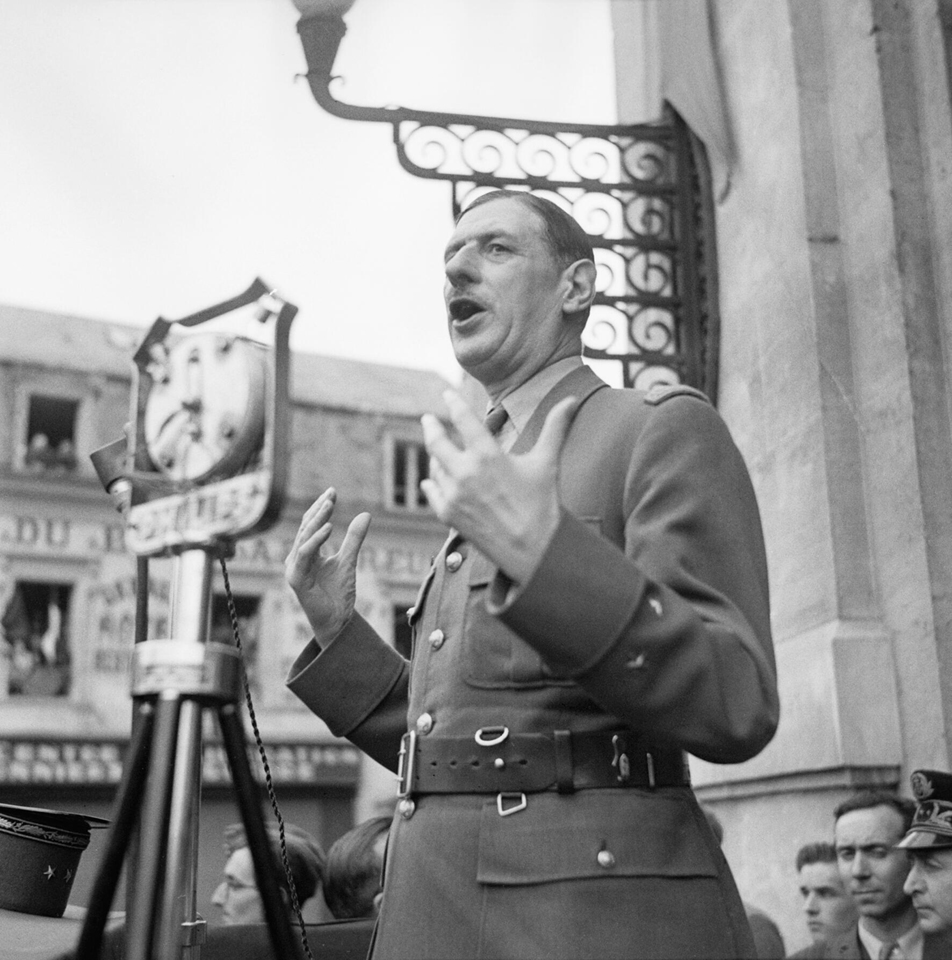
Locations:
column 504, row 295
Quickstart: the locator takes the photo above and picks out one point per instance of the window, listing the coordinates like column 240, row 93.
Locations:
column 35, row 625
column 51, row 434
column 247, row 609
column 409, row 465
column 402, row 632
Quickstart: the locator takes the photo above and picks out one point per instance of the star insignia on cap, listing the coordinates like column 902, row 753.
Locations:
column 49, row 872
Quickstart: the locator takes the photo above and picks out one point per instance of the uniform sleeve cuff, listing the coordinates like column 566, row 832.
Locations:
column 346, row 680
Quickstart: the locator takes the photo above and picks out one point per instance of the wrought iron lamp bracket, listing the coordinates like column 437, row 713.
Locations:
column 641, row 191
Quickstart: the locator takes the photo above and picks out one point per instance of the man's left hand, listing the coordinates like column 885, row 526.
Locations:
column 507, row 505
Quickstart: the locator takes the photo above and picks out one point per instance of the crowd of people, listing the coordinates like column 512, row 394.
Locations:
column 42, row 456
column 348, row 877
column 881, row 887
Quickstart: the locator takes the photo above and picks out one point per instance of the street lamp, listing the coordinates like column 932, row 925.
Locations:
column 641, row 191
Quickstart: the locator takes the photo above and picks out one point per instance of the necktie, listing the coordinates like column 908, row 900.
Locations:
column 889, row 950
column 495, row 419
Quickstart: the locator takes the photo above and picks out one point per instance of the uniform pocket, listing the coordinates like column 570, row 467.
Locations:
column 593, row 833
column 494, row 656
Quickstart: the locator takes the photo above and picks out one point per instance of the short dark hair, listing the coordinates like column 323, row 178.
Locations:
column 353, row 873
column 820, row 852
column 305, row 855
column 563, row 235
column 867, row 799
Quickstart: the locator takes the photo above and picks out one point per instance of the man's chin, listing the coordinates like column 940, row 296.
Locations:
column 869, row 904
column 929, row 920
column 481, row 364
column 233, row 921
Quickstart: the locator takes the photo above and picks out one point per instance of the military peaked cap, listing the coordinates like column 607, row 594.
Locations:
column 932, row 823
column 39, row 855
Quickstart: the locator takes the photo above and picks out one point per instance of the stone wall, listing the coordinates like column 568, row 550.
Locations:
column 835, row 268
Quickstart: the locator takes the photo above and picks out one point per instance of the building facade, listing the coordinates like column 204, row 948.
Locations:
column 68, row 584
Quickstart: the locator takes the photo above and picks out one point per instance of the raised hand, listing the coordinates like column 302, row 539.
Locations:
column 325, row 585
column 506, row 504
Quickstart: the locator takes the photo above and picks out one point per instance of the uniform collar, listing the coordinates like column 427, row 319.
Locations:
column 522, row 402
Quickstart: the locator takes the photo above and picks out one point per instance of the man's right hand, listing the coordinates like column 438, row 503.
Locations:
column 326, row 586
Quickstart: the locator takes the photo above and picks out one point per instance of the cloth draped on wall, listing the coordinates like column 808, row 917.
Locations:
column 691, row 81
column 665, row 51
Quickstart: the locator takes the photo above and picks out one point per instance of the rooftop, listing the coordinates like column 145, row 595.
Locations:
column 65, row 342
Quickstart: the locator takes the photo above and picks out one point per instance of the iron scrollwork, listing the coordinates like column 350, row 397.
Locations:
column 642, row 192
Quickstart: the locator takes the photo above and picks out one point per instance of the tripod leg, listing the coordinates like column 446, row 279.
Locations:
column 141, row 635
column 283, row 940
column 127, row 808
column 178, row 897
column 154, row 828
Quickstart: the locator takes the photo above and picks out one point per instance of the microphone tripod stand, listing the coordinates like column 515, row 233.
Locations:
column 174, row 682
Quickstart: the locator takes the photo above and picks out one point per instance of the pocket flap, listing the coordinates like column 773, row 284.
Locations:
column 637, row 833
column 482, row 570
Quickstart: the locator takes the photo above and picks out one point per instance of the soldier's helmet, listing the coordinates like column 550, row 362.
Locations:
column 932, row 824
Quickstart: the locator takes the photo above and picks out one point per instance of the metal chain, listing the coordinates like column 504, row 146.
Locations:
column 295, row 903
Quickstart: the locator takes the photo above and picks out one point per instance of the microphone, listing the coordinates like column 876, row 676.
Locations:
column 109, row 462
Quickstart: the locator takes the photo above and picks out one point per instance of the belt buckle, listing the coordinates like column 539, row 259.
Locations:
column 491, row 736
column 406, row 764
column 520, row 803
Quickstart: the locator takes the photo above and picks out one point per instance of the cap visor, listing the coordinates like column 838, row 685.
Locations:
column 923, row 839
column 57, row 818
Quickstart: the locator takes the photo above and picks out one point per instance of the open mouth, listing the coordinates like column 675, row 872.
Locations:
column 462, row 308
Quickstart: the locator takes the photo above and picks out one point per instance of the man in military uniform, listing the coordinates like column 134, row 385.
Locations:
column 599, row 608
column 929, row 843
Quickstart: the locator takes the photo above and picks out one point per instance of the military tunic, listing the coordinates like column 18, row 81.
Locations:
column 649, row 612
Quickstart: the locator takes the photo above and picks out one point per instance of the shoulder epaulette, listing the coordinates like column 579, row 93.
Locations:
column 664, row 391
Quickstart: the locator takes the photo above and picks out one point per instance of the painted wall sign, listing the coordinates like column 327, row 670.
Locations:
column 99, row 763
column 291, row 764
column 60, row 761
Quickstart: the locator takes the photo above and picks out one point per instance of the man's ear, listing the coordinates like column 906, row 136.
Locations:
column 579, row 280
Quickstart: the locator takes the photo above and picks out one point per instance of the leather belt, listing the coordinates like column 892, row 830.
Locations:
column 496, row 761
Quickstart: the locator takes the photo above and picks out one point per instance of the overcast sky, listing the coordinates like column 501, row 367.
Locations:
column 157, row 155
